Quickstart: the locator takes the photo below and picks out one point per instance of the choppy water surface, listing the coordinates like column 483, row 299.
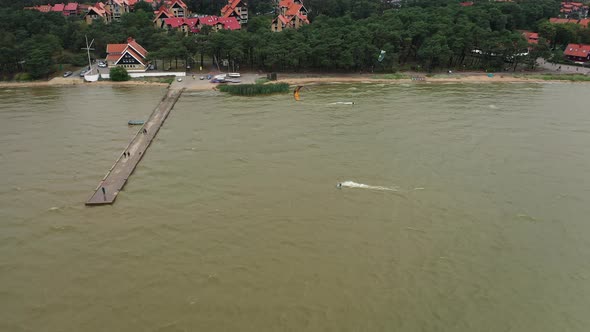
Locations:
column 463, row 208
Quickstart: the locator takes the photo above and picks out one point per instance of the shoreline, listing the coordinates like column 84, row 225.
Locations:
column 295, row 79
column 453, row 78
column 62, row 82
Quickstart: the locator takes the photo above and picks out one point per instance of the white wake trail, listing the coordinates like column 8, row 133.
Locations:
column 351, row 184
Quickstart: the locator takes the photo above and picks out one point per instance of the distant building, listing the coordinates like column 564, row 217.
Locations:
column 118, row 8
column 178, row 8
column 573, row 9
column 160, row 15
column 583, row 22
column 466, row 4
column 170, row 9
column 531, row 37
column 218, row 23
column 577, row 52
column 58, row 8
column 182, row 24
column 130, row 56
column 98, row 12
column 69, row 9
column 237, row 9
column 195, row 24
column 292, row 15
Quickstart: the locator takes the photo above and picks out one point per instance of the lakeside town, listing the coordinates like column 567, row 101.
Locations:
column 294, row 165
column 172, row 40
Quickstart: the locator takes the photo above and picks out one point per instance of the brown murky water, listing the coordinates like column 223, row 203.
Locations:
column 464, row 208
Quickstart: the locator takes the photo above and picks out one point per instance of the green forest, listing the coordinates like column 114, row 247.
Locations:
column 344, row 35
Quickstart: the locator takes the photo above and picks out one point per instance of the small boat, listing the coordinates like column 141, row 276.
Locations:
column 89, row 76
column 135, row 122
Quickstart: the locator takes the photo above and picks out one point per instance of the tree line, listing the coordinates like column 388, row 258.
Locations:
column 345, row 35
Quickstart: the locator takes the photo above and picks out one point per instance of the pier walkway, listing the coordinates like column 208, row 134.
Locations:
column 107, row 190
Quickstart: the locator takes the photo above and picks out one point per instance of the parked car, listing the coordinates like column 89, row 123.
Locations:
column 202, row 78
column 82, row 72
column 102, row 64
column 68, row 73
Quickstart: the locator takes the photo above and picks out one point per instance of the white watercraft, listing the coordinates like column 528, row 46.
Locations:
column 90, row 75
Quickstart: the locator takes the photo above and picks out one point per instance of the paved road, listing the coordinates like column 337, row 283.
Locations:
column 553, row 67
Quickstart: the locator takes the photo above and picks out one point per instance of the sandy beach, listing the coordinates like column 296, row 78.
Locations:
column 295, row 79
column 453, row 78
column 60, row 81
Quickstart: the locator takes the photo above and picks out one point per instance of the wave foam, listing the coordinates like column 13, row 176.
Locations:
column 352, row 184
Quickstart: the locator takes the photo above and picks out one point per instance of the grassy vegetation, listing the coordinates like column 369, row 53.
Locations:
column 261, row 80
column 254, row 89
column 395, row 76
column 167, row 80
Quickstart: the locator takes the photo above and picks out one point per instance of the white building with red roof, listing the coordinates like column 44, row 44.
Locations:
column 292, row 15
column 130, row 56
column 237, row 9
column 577, row 52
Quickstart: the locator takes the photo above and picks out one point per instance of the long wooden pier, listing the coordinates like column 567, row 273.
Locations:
column 107, row 190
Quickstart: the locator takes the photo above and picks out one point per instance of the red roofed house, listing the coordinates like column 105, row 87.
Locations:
column 208, row 21
column 58, row 7
column 531, row 37
column 583, row 22
column 218, row 23
column 176, row 23
column 160, row 15
column 83, row 8
column 71, row 9
column 44, row 8
column 228, row 23
column 577, row 52
column 130, row 56
column 170, row 9
column 237, row 9
column 573, row 9
column 98, row 12
column 178, row 8
column 292, row 15
column 466, row 4
column 279, row 23
column 117, row 8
